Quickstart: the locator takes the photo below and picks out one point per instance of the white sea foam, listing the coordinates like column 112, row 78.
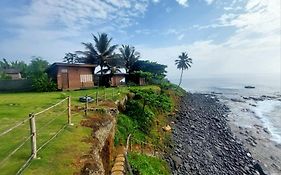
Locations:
column 270, row 113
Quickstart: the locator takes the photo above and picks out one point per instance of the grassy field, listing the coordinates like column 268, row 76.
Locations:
column 60, row 155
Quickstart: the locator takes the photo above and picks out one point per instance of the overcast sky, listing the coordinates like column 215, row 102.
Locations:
column 222, row 36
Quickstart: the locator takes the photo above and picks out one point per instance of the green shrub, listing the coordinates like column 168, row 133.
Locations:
column 147, row 165
column 143, row 117
column 156, row 101
column 125, row 126
column 4, row 76
column 42, row 83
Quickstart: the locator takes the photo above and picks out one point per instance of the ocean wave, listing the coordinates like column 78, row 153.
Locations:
column 269, row 111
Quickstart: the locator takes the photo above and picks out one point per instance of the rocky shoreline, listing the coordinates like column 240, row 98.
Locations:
column 204, row 143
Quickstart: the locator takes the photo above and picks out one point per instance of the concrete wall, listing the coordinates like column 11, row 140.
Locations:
column 15, row 85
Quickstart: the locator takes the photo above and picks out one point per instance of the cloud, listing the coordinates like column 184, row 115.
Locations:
column 180, row 37
column 183, row 2
column 209, row 1
column 253, row 48
column 59, row 24
column 81, row 13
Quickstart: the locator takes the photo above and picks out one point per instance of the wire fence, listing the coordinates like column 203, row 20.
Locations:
column 104, row 94
column 26, row 138
column 43, row 128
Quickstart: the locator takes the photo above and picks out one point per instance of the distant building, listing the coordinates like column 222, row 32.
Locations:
column 72, row 76
column 118, row 79
column 13, row 73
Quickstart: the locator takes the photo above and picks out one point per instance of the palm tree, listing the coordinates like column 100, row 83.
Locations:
column 98, row 53
column 70, row 58
column 5, row 64
column 183, row 63
column 129, row 56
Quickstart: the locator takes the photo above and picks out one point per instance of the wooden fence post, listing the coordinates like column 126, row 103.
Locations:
column 32, row 125
column 97, row 98
column 86, row 106
column 69, row 110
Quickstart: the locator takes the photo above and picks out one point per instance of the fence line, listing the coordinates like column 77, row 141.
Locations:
column 25, row 165
column 14, row 127
column 57, row 133
column 38, row 113
column 15, row 150
column 126, row 156
column 33, row 132
column 57, row 116
column 25, row 120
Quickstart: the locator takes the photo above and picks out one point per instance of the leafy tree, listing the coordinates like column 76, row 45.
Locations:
column 157, row 71
column 37, row 67
column 42, row 83
column 99, row 52
column 129, row 56
column 70, row 58
column 183, row 63
column 40, row 80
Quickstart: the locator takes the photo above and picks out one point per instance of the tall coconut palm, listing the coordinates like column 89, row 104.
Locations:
column 70, row 58
column 129, row 56
column 183, row 63
column 98, row 53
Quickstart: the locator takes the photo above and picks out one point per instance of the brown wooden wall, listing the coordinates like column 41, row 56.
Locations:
column 73, row 77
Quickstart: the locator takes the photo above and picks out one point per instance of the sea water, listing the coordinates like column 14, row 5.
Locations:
column 268, row 111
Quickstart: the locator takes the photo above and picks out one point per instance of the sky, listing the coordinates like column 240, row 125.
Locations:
column 223, row 37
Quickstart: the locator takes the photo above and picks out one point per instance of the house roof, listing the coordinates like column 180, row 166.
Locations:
column 73, row 65
column 69, row 65
column 115, row 74
column 11, row 71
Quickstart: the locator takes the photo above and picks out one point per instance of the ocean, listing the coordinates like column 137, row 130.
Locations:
column 263, row 101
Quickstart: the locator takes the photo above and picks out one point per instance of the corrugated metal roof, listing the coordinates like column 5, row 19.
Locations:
column 11, row 71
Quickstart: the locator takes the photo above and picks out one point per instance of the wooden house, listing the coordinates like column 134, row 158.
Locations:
column 13, row 73
column 72, row 76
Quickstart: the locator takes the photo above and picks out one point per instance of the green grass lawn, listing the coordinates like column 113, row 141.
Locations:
column 60, row 155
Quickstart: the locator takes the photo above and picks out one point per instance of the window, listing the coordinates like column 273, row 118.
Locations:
column 86, row 78
column 63, row 70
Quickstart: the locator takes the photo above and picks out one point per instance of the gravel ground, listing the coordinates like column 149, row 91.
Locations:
column 204, row 143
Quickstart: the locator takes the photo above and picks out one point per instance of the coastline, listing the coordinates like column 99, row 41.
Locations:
column 204, row 142
column 251, row 130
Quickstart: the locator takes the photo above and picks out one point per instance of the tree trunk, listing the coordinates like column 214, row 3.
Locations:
column 180, row 78
column 101, row 81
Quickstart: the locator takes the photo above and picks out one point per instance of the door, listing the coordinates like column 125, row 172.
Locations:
column 65, row 83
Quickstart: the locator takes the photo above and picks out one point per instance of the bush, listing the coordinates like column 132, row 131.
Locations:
column 3, row 76
column 159, row 102
column 42, row 83
column 143, row 117
column 147, row 165
column 125, row 126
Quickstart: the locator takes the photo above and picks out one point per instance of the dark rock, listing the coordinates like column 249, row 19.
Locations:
column 266, row 130
column 177, row 161
column 260, row 169
column 203, row 140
